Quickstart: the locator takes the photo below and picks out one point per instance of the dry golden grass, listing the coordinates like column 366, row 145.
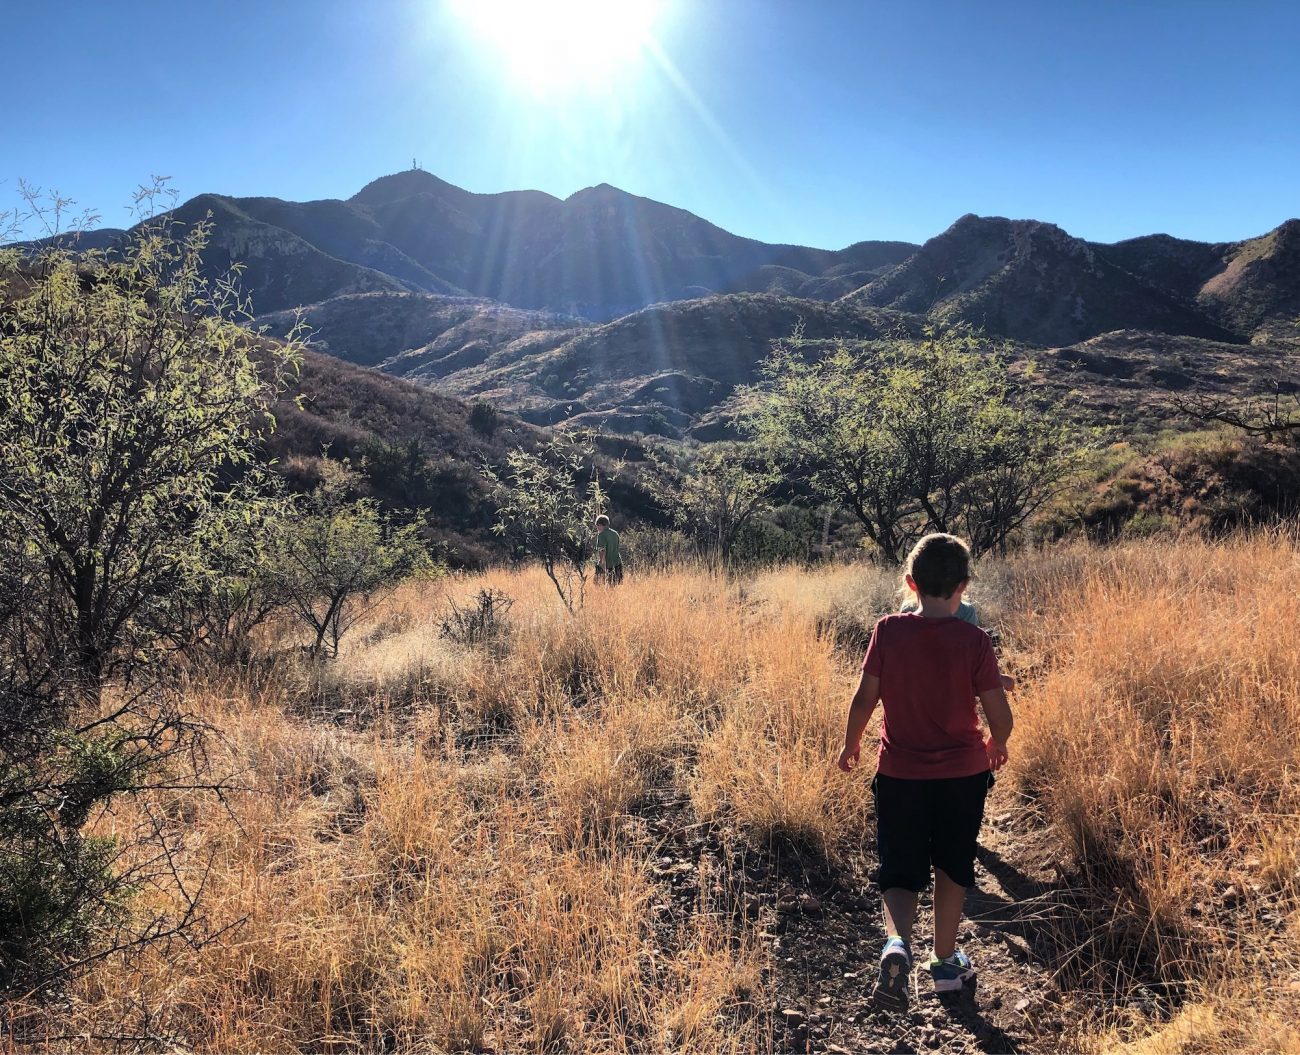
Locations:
column 1163, row 737
column 445, row 847
column 440, row 849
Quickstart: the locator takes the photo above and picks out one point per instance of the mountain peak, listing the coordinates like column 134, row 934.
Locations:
column 599, row 191
column 399, row 185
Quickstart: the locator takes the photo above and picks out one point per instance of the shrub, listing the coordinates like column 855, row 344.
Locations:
column 547, row 504
column 913, row 437
column 481, row 622
column 338, row 555
column 484, row 418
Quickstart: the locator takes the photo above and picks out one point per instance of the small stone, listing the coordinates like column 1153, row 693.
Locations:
column 792, row 1017
column 1022, row 1006
column 850, row 975
column 810, row 905
column 824, row 1001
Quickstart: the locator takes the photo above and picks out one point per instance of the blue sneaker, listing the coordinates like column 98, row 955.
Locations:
column 895, row 966
column 951, row 974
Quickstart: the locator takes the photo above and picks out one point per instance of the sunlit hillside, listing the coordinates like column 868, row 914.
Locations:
column 624, row 831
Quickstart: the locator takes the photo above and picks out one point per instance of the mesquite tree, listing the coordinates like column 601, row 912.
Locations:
column 547, row 503
column 131, row 401
column 337, row 555
column 916, row 436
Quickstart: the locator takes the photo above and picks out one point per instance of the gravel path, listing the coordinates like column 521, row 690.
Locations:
column 823, row 927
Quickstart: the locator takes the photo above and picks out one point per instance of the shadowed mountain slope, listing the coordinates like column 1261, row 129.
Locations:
column 1032, row 282
column 1243, row 285
column 600, row 253
column 495, row 294
column 662, row 368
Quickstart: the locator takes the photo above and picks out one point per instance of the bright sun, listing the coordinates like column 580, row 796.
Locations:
column 552, row 45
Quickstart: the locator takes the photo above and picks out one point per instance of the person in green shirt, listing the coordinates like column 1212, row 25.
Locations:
column 609, row 562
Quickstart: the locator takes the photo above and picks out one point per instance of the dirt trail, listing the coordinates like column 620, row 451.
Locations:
column 826, row 963
column 823, row 928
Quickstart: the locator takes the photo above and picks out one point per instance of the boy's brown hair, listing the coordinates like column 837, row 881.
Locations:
column 602, row 520
column 938, row 564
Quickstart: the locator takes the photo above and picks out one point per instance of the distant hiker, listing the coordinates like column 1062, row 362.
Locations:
column 934, row 767
column 609, row 562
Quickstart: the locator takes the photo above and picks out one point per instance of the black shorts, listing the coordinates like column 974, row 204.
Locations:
column 925, row 823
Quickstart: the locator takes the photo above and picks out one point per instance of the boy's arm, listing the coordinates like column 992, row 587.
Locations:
column 860, row 712
column 997, row 712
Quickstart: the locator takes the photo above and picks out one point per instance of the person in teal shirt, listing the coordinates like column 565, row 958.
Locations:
column 967, row 614
column 965, row 611
column 609, row 562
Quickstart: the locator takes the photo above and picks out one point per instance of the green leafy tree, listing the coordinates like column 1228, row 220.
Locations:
column 826, row 420
column 547, row 503
column 337, row 555
column 720, row 492
column 129, row 399
column 246, row 588
column 916, row 436
column 131, row 404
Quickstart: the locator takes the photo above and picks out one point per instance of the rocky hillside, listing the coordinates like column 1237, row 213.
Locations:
column 663, row 369
column 599, row 254
column 1031, row 282
column 421, row 450
column 423, row 335
column 609, row 307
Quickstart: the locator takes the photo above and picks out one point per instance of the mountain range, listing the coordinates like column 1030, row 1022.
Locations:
column 609, row 307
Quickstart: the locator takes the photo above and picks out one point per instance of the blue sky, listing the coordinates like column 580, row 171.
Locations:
column 821, row 123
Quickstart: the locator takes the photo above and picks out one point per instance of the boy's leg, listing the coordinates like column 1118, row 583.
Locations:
column 949, row 897
column 900, row 912
column 954, row 841
column 903, row 847
column 904, row 872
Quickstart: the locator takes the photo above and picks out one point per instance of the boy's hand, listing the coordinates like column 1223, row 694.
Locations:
column 849, row 758
column 997, row 752
column 1008, row 683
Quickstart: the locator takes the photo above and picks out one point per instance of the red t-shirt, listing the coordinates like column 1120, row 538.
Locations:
column 930, row 672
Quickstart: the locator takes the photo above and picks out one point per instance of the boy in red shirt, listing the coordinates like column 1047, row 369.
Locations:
column 935, row 766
